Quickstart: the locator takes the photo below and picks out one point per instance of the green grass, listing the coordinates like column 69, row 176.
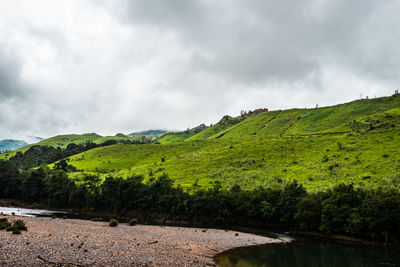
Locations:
column 216, row 130
column 169, row 138
column 319, row 162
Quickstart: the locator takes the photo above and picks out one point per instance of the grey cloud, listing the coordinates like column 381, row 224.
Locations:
column 10, row 70
column 258, row 41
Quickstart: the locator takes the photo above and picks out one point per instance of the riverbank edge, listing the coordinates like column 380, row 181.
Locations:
column 86, row 215
column 210, row 246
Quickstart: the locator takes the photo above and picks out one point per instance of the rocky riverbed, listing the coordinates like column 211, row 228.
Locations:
column 67, row 242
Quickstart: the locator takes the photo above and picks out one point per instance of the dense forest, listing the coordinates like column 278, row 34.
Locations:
column 371, row 214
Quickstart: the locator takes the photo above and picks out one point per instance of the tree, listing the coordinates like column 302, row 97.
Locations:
column 342, row 211
column 32, row 187
column 58, row 188
column 10, row 180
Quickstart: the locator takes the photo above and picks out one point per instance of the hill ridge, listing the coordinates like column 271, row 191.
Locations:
column 293, row 121
column 320, row 148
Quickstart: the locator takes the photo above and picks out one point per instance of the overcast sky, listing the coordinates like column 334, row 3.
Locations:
column 78, row 66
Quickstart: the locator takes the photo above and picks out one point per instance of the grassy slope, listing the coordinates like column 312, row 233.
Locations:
column 333, row 119
column 63, row 140
column 272, row 147
column 371, row 158
column 170, row 138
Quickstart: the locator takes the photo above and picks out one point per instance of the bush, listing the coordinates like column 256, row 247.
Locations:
column 96, row 219
column 16, row 227
column 4, row 224
column 113, row 223
column 132, row 222
column 19, row 225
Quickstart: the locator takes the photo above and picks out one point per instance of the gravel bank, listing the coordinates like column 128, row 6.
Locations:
column 58, row 242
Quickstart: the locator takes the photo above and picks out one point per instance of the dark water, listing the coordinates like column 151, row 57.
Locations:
column 310, row 254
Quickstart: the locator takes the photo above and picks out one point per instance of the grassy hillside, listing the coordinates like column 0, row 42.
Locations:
column 169, row 138
column 357, row 142
column 317, row 161
column 173, row 137
column 63, row 140
column 333, row 119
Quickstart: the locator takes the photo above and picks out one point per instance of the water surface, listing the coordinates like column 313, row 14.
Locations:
column 28, row 212
column 310, row 254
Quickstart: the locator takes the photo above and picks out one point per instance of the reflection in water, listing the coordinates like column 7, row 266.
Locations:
column 309, row 254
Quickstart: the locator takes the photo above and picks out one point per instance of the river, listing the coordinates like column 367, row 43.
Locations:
column 28, row 212
column 310, row 253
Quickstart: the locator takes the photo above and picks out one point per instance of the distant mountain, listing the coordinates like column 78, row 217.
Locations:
column 9, row 144
column 151, row 134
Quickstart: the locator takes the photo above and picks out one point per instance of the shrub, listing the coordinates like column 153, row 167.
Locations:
column 113, row 223
column 19, row 225
column 16, row 227
column 96, row 219
column 4, row 224
column 133, row 222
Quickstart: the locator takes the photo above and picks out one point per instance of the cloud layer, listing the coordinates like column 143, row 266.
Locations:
column 124, row 65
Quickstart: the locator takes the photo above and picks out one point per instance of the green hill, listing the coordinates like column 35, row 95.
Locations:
column 333, row 120
column 63, row 140
column 356, row 142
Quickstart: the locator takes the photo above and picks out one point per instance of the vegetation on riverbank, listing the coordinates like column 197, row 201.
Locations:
column 370, row 214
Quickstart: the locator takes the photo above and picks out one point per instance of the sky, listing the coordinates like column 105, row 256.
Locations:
column 110, row 66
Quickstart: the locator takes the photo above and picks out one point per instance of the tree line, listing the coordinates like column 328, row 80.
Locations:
column 371, row 214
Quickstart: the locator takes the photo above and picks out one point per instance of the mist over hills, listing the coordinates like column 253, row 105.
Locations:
column 9, row 144
column 148, row 133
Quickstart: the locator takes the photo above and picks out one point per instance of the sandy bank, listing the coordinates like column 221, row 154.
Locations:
column 77, row 242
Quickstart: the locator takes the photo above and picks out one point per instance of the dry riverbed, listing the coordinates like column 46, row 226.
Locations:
column 67, row 242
